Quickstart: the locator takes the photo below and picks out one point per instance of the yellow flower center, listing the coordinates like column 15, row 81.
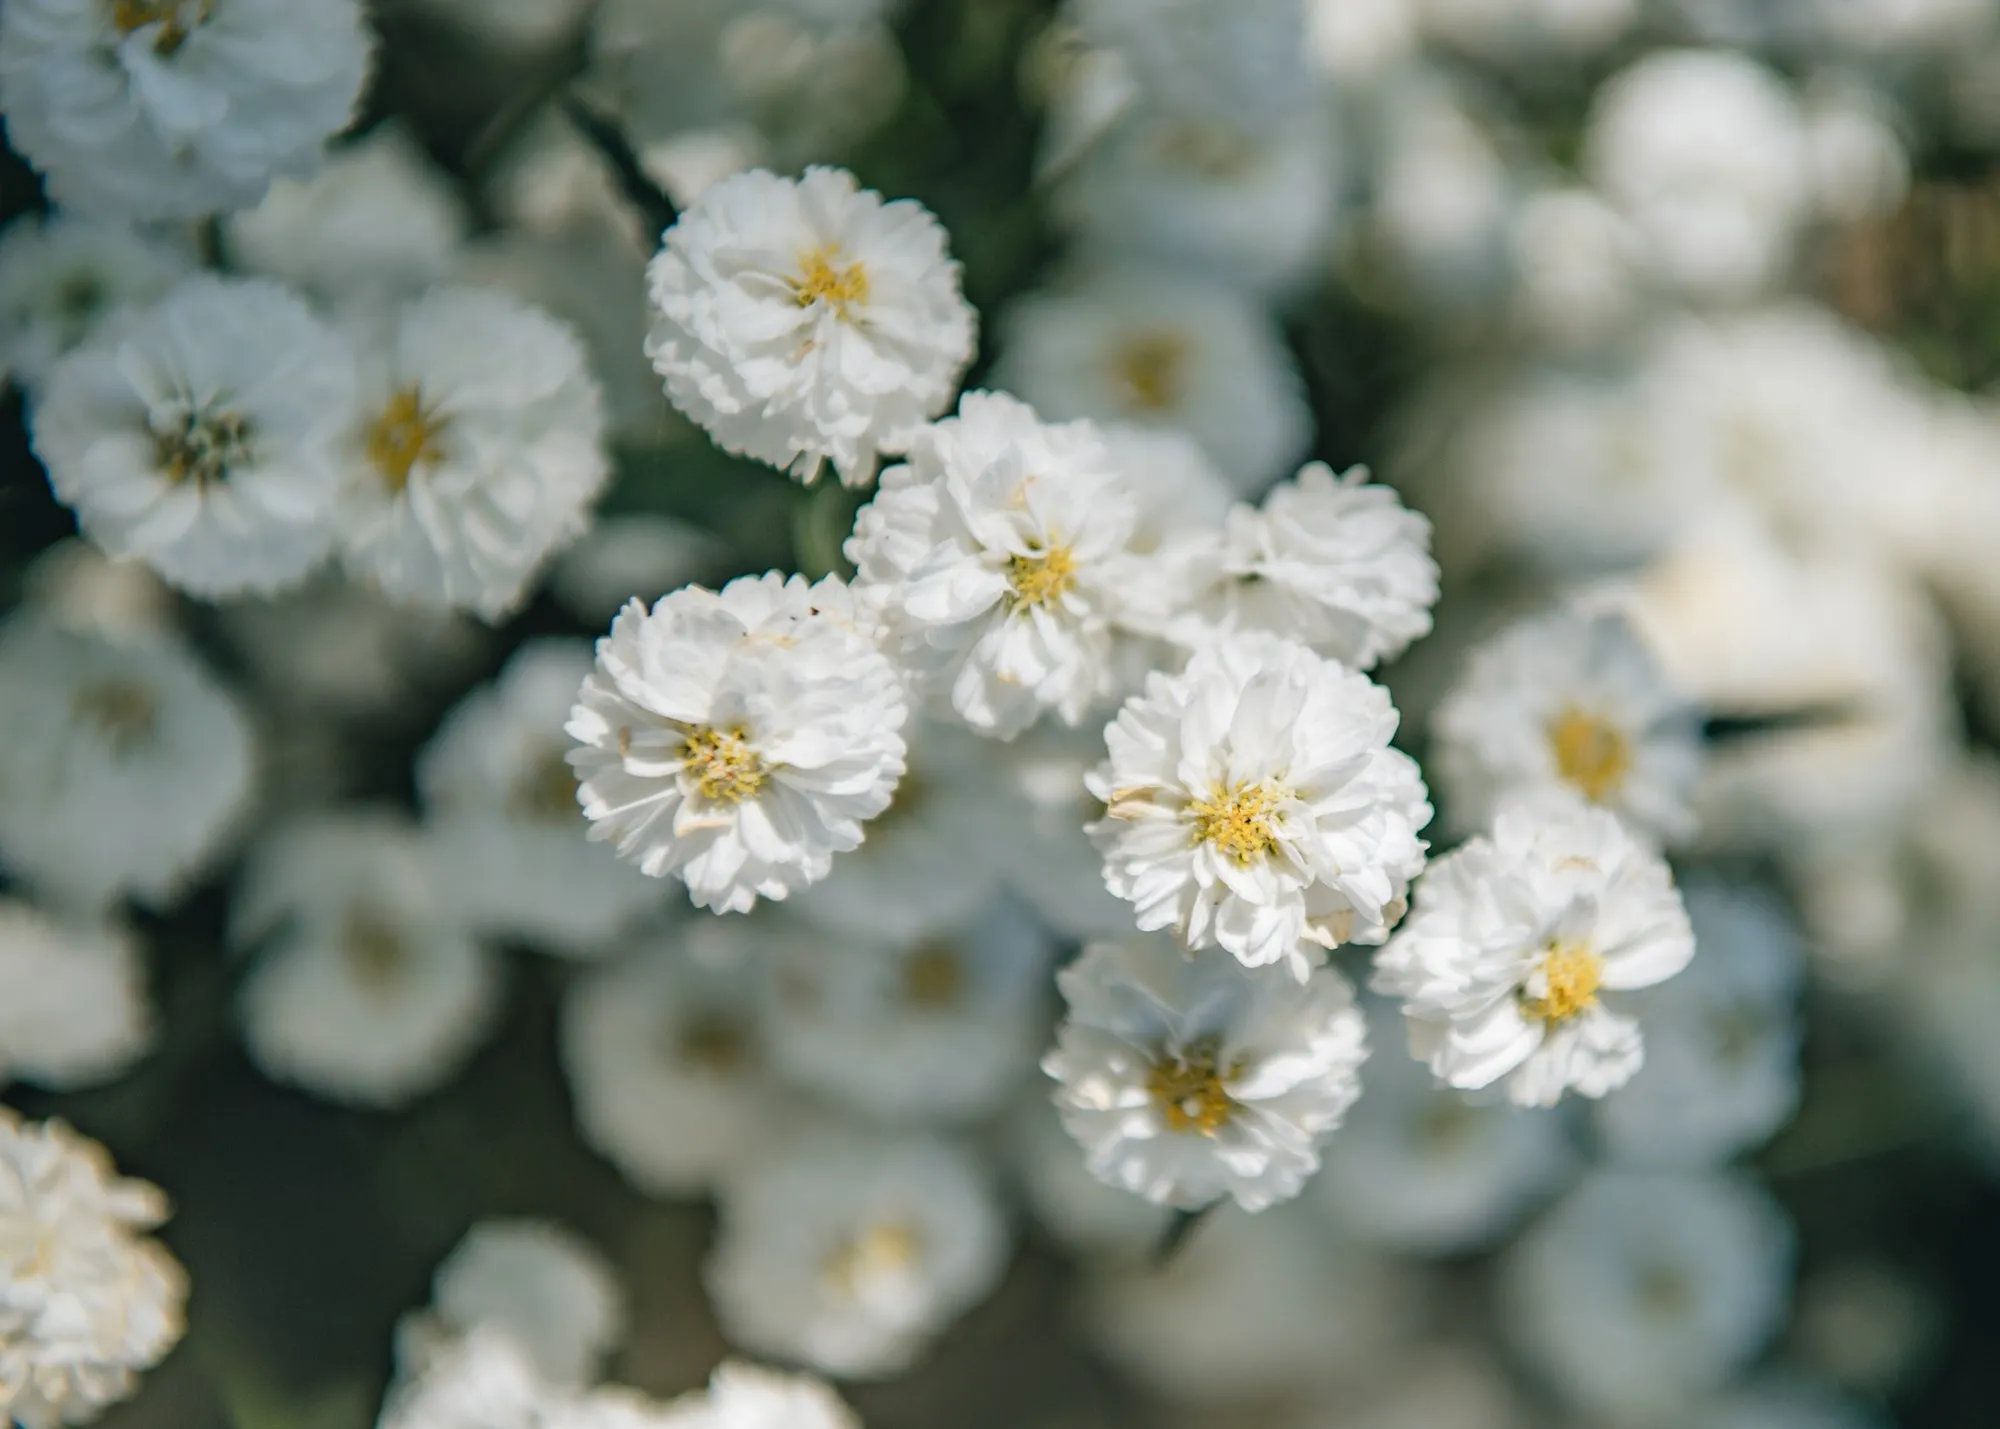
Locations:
column 1238, row 821
column 1041, row 578
column 1187, row 1087
column 176, row 19
column 1151, row 370
column 124, row 712
column 1571, row 975
column 933, row 978
column 203, row 449
column 1591, row 753
column 711, row 1043
column 548, row 791
column 876, row 1254
column 722, row 764
column 404, row 435
column 822, row 280
column 374, row 951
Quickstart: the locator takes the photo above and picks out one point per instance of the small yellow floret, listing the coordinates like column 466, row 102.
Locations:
column 124, row 712
column 1238, row 821
column 1151, row 370
column 1572, row 974
column 1041, row 578
column 722, row 764
column 821, row 280
column 1188, row 1089
column 1591, row 753
column 405, row 435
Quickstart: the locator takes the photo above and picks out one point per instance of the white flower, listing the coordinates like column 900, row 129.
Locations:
column 78, row 587
column 667, row 1062
column 1638, row 1295
column 543, row 1284
column 1253, row 801
column 507, row 832
column 850, row 1254
column 1575, row 704
column 368, row 990
column 87, row 1302
column 1722, row 1040
column 1162, row 348
column 1336, row 563
column 1245, row 64
column 73, row 1004
column 806, row 322
column 484, row 1379
column 1186, row 1079
column 1515, row 938
column 176, row 108
column 125, row 769
column 996, row 556
column 201, row 438
column 62, row 276
column 737, row 740
column 937, row 1028
column 476, row 451
column 746, row 1396
column 1421, row 1169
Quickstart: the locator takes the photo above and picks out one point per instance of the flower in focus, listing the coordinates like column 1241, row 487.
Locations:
column 1517, row 937
column 1186, row 1079
column 802, row 322
column 62, row 276
column 73, row 1004
column 1253, row 801
column 546, row 1286
column 87, row 1301
column 202, row 437
column 738, row 740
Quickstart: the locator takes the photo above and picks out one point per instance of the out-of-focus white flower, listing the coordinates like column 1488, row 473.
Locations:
column 1722, row 1040
column 475, row 453
column 1161, row 347
column 933, row 1029
column 1524, row 29
column 62, row 276
column 1177, row 487
column 1705, row 152
column 379, row 220
column 1187, row 1079
column 1442, row 193
column 1443, row 1386
column 77, row 586
column 1359, row 43
column 1503, row 965
column 801, row 322
column 507, row 833
column 87, row 1301
column 667, row 1062
column 1244, row 65
column 1576, row 265
column 745, row 1396
column 1336, row 563
column 1860, row 165
column 997, row 558
column 1639, row 1295
column 1575, row 704
column 637, row 554
column 738, row 740
column 176, row 108
column 73, row 1004
column 850, row 1254
column 546, row 1286
column 1044, row 851
column 1253, row 802
column 484, row 1379
column 125, row 768
column 1785, row 1402
column 202, row 438
column 368, row 989
column 1419, row 1168
column 1090, row 1216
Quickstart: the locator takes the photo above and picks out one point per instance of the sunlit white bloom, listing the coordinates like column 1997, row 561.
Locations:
column 368, row 989
column 1253, row 802
column 1722, row 1040
column 666, row 1059
column 87, row 1301
column 806, row 322
column 202, row 438
column 996, row 557
column 546, row 1286
column 849, row 1255
column 738, row 740
column 176, row 108
column 1245, row 65
column 62, row 276
column 936, row 1028
column 1186, row 1079
column 1575, row 704
column 1090, row 1216
column 125, row 769
column 508, row 835
column 633, row 554
column 73, row 1004
column 1503, row 965
column 475, row 453
column 1638, row 1295
column 1420, row 1168
column 1162, row 348
column 379, row 220
column 745, row 1396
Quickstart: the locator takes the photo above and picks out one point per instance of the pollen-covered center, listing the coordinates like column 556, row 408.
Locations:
column 722, row 764
column 546, row 792
column 404, row 436
column 933, row 978
column 1570, row 974
column 823, row 279
column 176, row 19
column 1187, row 1087
column 124, row 713
column 202, row 448
column 1041, row 578
column 1591, row 753
column 885, row 1251
column 1151, row 370
column 1238, row 821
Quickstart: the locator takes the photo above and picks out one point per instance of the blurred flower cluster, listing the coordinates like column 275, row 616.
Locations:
column 1229, row 714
